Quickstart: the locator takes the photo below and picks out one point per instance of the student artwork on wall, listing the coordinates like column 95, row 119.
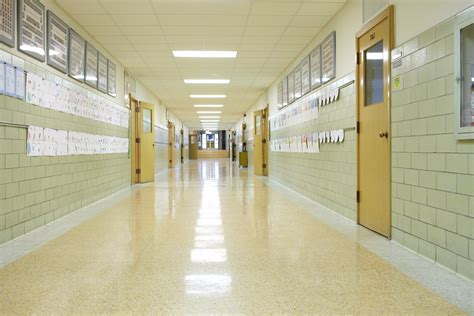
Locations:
column 305, row 76
column 102, row 74
column 19, row 83
column 12, row 81
column 7, row 22
column 303, row 110
column 297, row 75
column 31, row 38
column 315, row 57
column 50, row 142
column 112, row 79
column 57, row 42
column 9, row 80
column 77, row 101
column 306, row 143
column 77, row 56
column 328, row 53
column 91, row 65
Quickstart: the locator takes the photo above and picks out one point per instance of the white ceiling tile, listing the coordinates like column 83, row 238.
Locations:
column 302, row 31
column 272, row 8
column 103, row 30
column 127, row 7
column 269, row 20
column 202, row 7
column 74, row 7
column 310, row 20
column 141, row 30
column 323, row 8
column 134, row 20
column 93, row 19
column 203, row 30
column 199, row 20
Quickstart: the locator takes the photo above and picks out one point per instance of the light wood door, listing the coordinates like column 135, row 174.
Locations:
column 134, row 132
column 260, row 142
column 146, row 143
column 193, row 146
column 374, row 145
column 171, row 145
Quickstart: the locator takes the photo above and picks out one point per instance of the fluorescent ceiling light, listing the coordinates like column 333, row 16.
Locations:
column 209, row 121
column 207, row 96
column 207, row 81
column 204, row 54
column 208, row 105
column 208, row 112
column 210, row 117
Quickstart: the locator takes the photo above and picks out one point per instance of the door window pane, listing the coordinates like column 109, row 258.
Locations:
column 374, row 74
column 467, row 76
column 146, row 120
column 257, row 125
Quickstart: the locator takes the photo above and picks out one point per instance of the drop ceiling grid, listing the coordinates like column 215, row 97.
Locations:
column 268, row 35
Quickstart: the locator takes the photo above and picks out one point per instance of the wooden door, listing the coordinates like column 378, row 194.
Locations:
column 374, row 44
column 171, row 144
column 193, row 146
column 182, row 146
column 260, row 142
column 146, row 143
column 134, row 136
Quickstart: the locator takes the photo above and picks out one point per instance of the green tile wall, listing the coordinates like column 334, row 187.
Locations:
column 329, row 177
column 37, row 190
column 433, row 173
column 161, row 157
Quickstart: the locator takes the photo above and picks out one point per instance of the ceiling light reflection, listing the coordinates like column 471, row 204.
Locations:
column 208, row 255
column 208, row 284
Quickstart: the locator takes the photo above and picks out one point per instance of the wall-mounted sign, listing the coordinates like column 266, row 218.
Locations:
column 112, row 79
column 305, row 76
column 285, row 91
column 291, row 87
column 297, row 75
column 57, row 41
column 328, row 53
column 92, row 59
column 280, row 94
column 316, row 67
column 31, row 28
column 102, row 74
column 7, row 22
column 77, row 55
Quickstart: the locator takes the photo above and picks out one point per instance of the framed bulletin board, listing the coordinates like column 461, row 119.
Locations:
column 280, row 95
column 328, row 57
column 305, row 76
column 57, row 42
column 31, row 38
column 112, row 79
column 92, row 59
column 315, row 62
column 102, row 74
column 7, row 22
column 291, row 87
column 77, row 56
column 297, row 75
column 285, row 91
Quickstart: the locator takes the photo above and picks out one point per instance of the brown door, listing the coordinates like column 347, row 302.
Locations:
column 134, row 135
column 171, row 144
column 193, row 145
column 260, row 142
column 374, row 44
column 142, row 141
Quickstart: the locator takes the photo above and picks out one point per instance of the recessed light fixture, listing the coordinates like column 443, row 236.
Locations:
column 208, row 105
column 208, row 96
column 204, row 54
column 207, row 81
column 208, row 112
column 209, row 121
column 210, row 117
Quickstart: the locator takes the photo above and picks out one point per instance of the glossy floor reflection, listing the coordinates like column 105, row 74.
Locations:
column 208, row 238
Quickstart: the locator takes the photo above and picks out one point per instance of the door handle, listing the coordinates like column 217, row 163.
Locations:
column 383, row 134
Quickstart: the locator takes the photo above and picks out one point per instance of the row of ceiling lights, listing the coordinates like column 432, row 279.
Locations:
column 208, row 122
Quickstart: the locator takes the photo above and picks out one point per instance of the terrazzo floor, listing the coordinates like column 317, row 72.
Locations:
column 209, row 238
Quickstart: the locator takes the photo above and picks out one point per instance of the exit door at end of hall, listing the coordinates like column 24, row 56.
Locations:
column 374, row 44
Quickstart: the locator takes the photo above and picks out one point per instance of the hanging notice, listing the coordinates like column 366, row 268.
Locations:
column 9, row 80
column 285, row 91
column 19, row 83
column 77, row 52
column 57, row 42
column 316, row 68
column 291, row 87
column 7, row 22
column 31, row 28
column 102, row 74
column 280, row 95
column 297, row 74
column 112, row 79
column 305, row 76
column 91, row 65
column 2, row 77
column 328, row 52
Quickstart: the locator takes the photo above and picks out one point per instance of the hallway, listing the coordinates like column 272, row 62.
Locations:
column 209, row 238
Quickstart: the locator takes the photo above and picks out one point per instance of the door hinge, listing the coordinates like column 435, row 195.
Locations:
column 358, row 196
column 138, row 171
column 264, row 116
column 358, row 127
column 264, row 166
column 137, row 109
column 264, row 141
column 358, row 58
column 170, row 161
column 138, row 140
column 171, row 144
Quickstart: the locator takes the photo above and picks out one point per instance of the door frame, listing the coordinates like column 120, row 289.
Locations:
column 388, row 14
column 134, row 134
